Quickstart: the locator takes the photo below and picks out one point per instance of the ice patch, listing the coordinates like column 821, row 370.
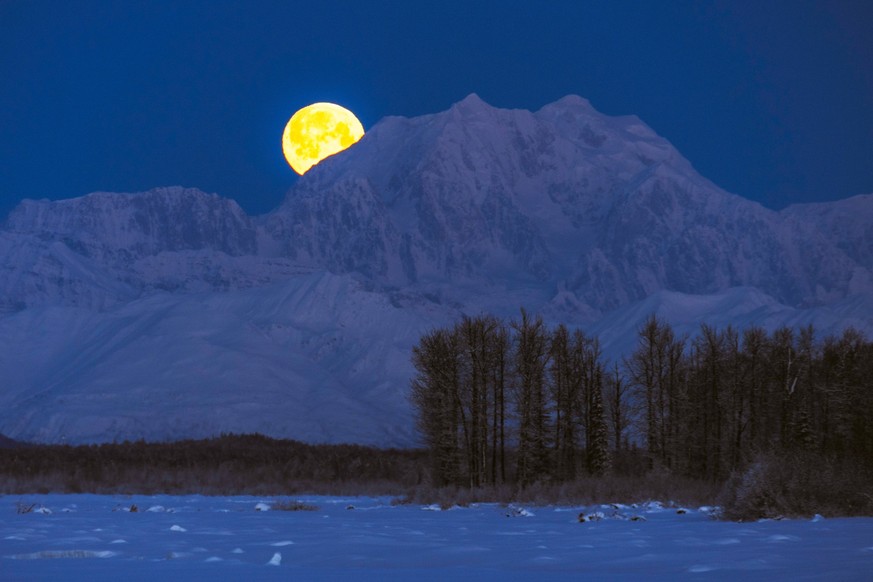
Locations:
column 698, row 569
column 119, row 541
column 237, row 551
column 283, row 543
column 43, row 510
column 156, row 509
column 54, row 554
column 213, row 559
column 262, row 507
column 378, row 507
column 783, row 538
column 816, row 518
column 432, row 507
column 275, row 560
column 177, row 528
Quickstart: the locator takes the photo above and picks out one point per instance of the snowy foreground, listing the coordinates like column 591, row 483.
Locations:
column 96, row 537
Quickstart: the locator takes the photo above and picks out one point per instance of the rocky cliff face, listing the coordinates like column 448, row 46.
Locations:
column 847, row 223
column 104, row 248
column 113, row 228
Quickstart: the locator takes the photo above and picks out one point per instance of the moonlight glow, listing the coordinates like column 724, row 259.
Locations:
column 318, row 131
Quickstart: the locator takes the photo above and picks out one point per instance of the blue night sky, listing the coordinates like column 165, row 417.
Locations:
column 771, row 100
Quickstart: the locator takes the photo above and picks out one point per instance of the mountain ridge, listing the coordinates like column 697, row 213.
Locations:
column 298, row 323
column 505, row 187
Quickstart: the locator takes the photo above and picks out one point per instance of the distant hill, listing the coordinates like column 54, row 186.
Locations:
column 8, row 443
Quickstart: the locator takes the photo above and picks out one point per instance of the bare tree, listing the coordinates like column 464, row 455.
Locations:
column 618, row 407
column 566, row 383
column 436, row 399
column 531, row 359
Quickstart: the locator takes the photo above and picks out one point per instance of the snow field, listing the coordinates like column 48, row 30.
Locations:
column 93, row 537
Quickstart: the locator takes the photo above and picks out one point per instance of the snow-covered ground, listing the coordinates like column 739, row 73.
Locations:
column 94, row 537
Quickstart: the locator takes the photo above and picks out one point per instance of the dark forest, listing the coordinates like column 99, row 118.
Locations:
column 784, row 420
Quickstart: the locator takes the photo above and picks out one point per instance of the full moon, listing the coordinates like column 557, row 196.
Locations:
column 318, row 131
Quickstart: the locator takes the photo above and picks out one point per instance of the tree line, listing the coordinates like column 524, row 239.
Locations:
column 521, row 402
column 226, row 465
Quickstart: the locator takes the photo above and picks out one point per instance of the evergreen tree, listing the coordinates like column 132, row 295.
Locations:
column 598, row 443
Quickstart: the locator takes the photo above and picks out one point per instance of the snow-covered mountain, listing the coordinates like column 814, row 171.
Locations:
column 172, row 313
column 565, row 197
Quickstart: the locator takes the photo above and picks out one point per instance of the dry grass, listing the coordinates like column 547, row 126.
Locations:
column 292, row 506
column 582, row 491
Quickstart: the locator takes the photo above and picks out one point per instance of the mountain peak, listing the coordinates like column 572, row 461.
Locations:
column 572, row 102
column 470, row 104
column 473, row 99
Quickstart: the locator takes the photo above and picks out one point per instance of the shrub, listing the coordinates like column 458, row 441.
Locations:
column 798, row 484
column 22, row 508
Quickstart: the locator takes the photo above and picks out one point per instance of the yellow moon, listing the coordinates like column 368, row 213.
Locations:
column 318, row 131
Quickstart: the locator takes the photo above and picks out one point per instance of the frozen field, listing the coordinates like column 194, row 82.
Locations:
column 94, row 537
